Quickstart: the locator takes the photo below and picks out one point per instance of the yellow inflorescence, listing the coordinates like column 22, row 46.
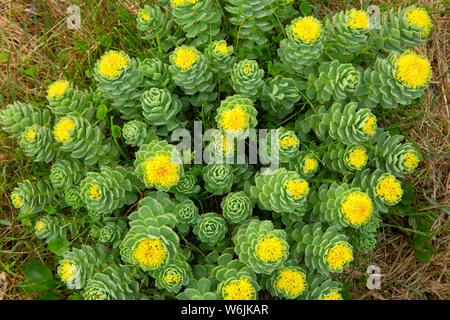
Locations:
column 270, row 249
column 63, row 130
column 111, row 63
column 235, row 119
column 143, row 15
column 30, row 134
column 248, row 68
column 288, row 142
column 411, row 160
column 291, row 281
column 177, row 3
column 412, row 70
column 309, row 165
column 297, row 188
column 16, row 200
column 66, row 271
column 221, row 48
column 150, row 253
column 161, row 171
column 358, row 19
column 240, row 289
column 57, row 88
column 338, row 256
column 40, row 225
column 172, row 277
column 333, row 294
column 357, row 158
column 94, row 192
column 307, row 29
column 370, row 125
column 389, row 189
column 185, row 57
column 420, row 18
column 357, row 208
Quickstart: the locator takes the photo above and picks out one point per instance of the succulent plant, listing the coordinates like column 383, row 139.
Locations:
column 279, row 96
column 210, row 228
column 247, row 78
column 218, row 178
column 237, row 207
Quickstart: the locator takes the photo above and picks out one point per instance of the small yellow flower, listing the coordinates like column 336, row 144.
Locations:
column 94, row 192
column 389, row 189
column 66, row 271
column 235, row 119
column 185, row 57
column 370, row 125
column 309, row 164
column 64, row 129
column 150, row 253
column 240, row 289
column 40, row 225
column 333, row 294
column 411, row 160
column 289, row 141
column 111, row 63
column 57, row 88
column 291, row 282
column 358, row 19
column 248, row 68
column 307, row 29
column 143, row 15
column 357, row 208
column 172, row 277
column 339, row 256
column 222, row 48
column 30, row 135
column 160, row 171
column 420, row 18
column 297, row 188
column 357, row 158
column 271, row 248
column 177, row 3
column 16, row 200
column 413, row 70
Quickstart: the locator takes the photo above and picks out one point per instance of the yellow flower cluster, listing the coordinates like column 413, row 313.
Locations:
column 339, row 256
column 389, row 189
column 307, row 29
column 240, row 289
column 64, row 129
column 160, row 171
column 291, row 281
column 297, row 188
column 150, row 253
column 412, row 70
column 357, row 208
column 271, row 248
column 111, row 63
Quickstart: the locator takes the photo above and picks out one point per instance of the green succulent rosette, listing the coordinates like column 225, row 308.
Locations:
column 287, row 144
column 332, row 80
column 112, row 283
column 279, row 96
column 16, row 117
column 218, row 178
column 220, row 57
column 63, row 99
column 260, row 246
column 156, row 74
column 279, row 191
column 304, row 44
column 306, row 164
column 210, row 228
column 383, row 187
column 285, row 10
column 31, row 197
column 187, row 214
column 199, row 19
column 365, row 239
column 78, row 137
column 201, row 289
column 154, row 23
column 346, row 158
column 395, row 80
column 247, row 78
column 112, row 233
column 37, row 142
column 406, row 28
column 53, row 227
column 109, row 189
column 236, row 115
column 394, row 156
column 173, row 276
column 66, row 173
column 119, row 79
column 237, row 207
column 77, row 266
column 288, row 282
column 342, row 206
column 322, row 287
column 151, row 242
column 347, row 34
column 186, row 186
column 325, row 250
column 155, row 157
column 160, row 107
column 134, row 133
column 72, row 197
column 253, row 18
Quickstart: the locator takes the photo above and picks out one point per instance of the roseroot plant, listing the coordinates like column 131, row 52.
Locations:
column 143, row 215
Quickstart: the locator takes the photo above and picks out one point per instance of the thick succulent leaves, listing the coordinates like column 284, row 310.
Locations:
column 156, row 74
column 16, row 117
column 322, row 287
column 210, row 229
column 134, row 133
column 279, row 96
column 201, row 289
column 173, row 276
column 159, row 106
column 247, row 78
column 237, row 207
column 66, row 173
column 53, row 227
column 187, row 186
column 37, row 142
column 187, row 214
column 31, row 197
column 220, row 57
column 154, row 22
column 218, row 178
